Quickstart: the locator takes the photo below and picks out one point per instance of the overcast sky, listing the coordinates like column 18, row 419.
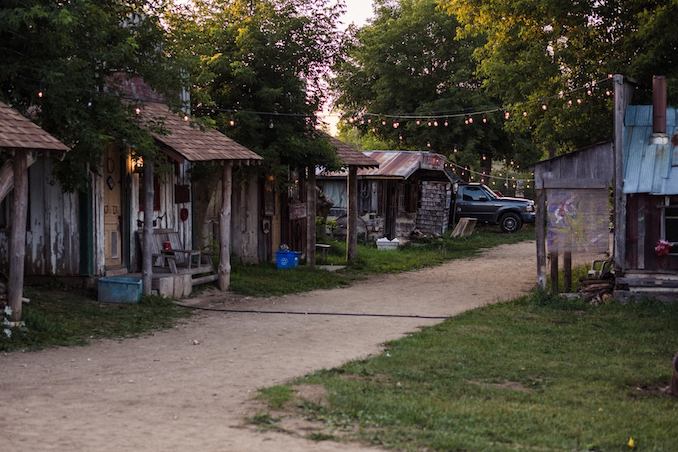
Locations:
column 358, row 11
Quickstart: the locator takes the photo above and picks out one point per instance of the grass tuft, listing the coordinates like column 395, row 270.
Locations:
column 276, row 396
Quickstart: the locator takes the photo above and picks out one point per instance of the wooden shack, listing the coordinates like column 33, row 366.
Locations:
column 574, row 207
column 647, row 255
column 408, row 191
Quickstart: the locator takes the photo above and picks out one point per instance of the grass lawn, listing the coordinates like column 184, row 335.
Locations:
column 265, row 280
column 59, row 317
column 535, row 373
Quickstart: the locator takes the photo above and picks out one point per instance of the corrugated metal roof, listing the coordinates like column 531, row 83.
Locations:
column 396, row 164
column 19, row 132
column 649, row 168
column 351, row 156
column 193, row 143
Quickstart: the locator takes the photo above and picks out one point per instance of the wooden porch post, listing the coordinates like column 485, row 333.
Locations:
column 352, row 223
column 225, row 227
column 6, row 177
column 567, row 271
column 147, row 264
column 554, row 272
column 620, row 102
column 310, row 216
column 17, row 244
column 540, row 225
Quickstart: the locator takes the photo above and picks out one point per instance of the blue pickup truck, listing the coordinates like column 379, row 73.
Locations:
column 480, row 202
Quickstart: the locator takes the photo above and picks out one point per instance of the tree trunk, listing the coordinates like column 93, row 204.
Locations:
column 310, row 216
column 17, row 243
column 352, row 220
column 147, row 265
column 7, row 176
column 225, row 227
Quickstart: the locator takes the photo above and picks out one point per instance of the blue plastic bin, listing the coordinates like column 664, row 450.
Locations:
column 119, row 289
column 286, row 259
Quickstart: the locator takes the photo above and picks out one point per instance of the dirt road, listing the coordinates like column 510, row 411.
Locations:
column 162, row 392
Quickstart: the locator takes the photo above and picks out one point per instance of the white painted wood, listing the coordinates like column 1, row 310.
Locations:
column 147, row 265
column 225, row 227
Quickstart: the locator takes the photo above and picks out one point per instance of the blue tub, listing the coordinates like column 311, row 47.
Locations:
column 286, row 259
column 119, row 289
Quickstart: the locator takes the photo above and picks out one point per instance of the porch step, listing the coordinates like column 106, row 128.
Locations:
column 119, row 271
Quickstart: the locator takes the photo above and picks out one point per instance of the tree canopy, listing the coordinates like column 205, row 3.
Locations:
column 535, row 49
column 56, row 58
column 257, row 70
column 407, row 61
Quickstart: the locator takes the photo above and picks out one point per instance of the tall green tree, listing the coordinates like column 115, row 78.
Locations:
column 256, row 70
column 407, row 61
column 536, row 49
column 56, row 58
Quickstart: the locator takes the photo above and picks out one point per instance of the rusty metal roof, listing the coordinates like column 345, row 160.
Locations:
column 649, row 167
column 351, row 156
column 19, row 132
column 192, row 142
column 396, row 165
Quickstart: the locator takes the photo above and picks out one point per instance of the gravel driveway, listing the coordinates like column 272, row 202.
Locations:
column 165, row 392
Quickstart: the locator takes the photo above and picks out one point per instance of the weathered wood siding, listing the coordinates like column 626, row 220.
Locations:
column 246, row 230
column 52, row 239
column 588, row 168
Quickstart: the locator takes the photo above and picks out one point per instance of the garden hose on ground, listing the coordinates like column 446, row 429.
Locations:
column 342, row 314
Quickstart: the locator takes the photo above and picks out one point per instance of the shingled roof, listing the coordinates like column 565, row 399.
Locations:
column 18, row 132
column 192, row 142
column 351, row 156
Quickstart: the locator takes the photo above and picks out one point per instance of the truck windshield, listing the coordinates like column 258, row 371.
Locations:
column 490, row 193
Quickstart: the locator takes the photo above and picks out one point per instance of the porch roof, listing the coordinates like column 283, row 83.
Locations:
column 192, row 142
column 396, row 165
column 351, row 156
column 19, row 132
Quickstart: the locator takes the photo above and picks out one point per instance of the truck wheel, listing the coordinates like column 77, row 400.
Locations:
column 510, row 223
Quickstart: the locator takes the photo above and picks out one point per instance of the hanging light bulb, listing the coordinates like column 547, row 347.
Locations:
column 484, row 158
column 428, row 144
column 40, row 94
column 430, row 124
column 418, row 122
column 369, row 120
column 608, row 92
column 569, row 103
column 484, row 119
column 544, row 107
column 470, row 119
column 589, row 92
column 400, row 137
column 435, row 123
column 525, row 114
column 137, row 110
column 579, row 101
column 466, row 121
column 185, row 117
column 231, row 123
column 446, row 123
column 270, row 124
column 456, row 150
column 362, row 121
column 396, row 125
column 507, row 115
column 383, row 122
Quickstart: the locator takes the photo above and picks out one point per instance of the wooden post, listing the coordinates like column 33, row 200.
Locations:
column 620, row 101
column 352, row 223
column 17, row 241
column 540, row 225
column 567, row 271
column 147, row 252
column 225, row 227
column 310, row 216
column 554, row 272
column 673, row 388
column 7, row 178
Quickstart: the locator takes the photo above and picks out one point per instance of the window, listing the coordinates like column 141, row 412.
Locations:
column 671, row 223
column 473, row 194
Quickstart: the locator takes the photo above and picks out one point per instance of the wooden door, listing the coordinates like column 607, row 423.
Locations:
column 112, row 210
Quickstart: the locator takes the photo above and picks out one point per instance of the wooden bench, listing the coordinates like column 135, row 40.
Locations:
column 168, row 252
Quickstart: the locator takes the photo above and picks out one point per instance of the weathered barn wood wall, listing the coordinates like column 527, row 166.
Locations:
column 434, row 207
column 52, row 239
column 246, row 231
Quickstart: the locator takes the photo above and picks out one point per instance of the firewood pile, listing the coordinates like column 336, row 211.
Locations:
column 596, row 291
